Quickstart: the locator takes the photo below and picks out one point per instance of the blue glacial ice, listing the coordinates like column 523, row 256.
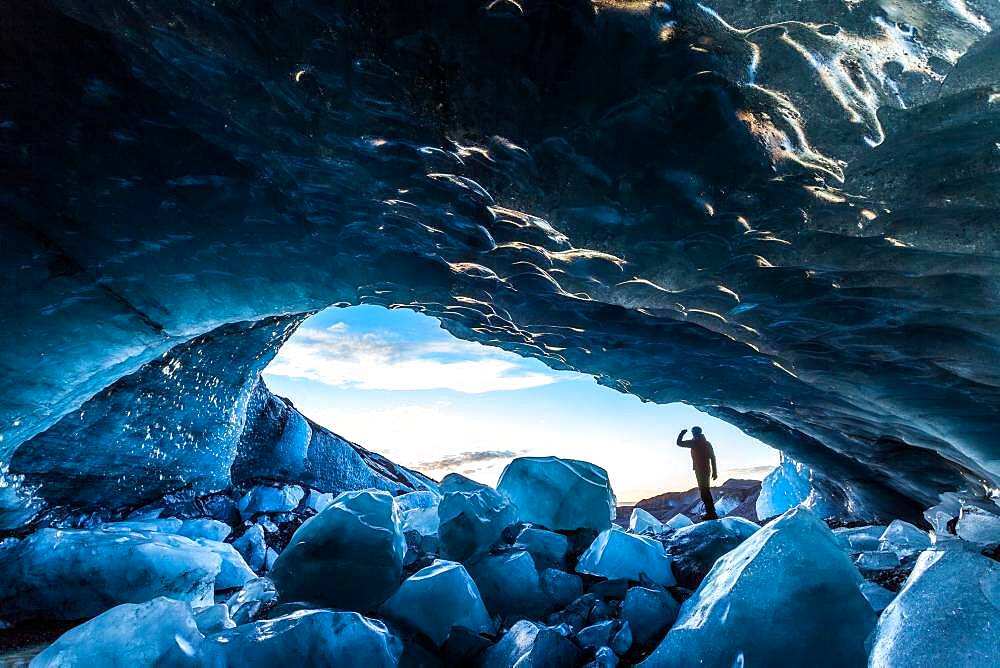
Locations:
column 640, row 521
column 234, row 571
column 205, row 528
column 269, row 499
column 510, row 586
column 860, row 539
column 255, row 598
column 304, row 638
column 560, row 587
column 559, row 494
column 472, row 517
column 877, row 596
column 213, row 619
column 787, row 596
column 904, row 539
column 437, row 599
column 546, row 547
column 160, row 632
column 789, row 485
column 877, row 560
column 349, row 556
column 697, row 547
column 649, row 613
column 253, row 546
column 531, row 645
column 618, row 555
column 946, row 614
column 980, row 525
column 75, row 574
column 679, row 521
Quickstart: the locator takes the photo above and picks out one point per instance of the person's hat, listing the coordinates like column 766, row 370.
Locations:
column 696, row 431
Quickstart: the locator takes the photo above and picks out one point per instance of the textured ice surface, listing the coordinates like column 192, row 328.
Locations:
column 649, row 613
column 696, row 548
column 788, row 596
column 560, row 587
column 253, row 546
column 424, row 521
column 531, row 645
column 419, row 499
column 546, row 547
column 74, row 574
column 616, row 555
column 438, row 598
column 596, row 635
column 792, row 484
column 945, row 615
column 255, row 597
column 234, row 571
column 213, row 619
column 318, row 500
column 640, row 521
column 167, row 525
column 161, row 632
column 308, row 638
column 679, row 521
column 859, row 539
column 267, row 499
column 879, row 560
column 205, row 528
column 348, row 556
column 559, row 494
column 509, row 585
column 472, row 517
column 904, row 539
column 877, row 596
column 980, row 524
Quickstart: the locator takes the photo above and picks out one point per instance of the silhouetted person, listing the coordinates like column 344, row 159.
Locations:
column 701, row 455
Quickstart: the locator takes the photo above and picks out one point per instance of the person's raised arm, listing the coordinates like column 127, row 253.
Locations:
column 715, row 468
column 680, row 439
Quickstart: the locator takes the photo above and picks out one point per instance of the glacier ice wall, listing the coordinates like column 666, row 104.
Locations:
column 781, row 213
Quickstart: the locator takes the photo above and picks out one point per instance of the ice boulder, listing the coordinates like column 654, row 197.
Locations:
column 424, row 521
column 509, row 585
column 559, row 494
column 472, row 517
column 561, row 588
column 75, row 574
column 254, row 599
column 649, row 613
column 617, row 555
column 696, row 548
column 546, row 547
column 437, row 599
column 160, row 632
column 318, row 500
column 213, row 619
column 253, row 547
column 267, row 499
column 531, row 645
column 679, row 521
column 878, row 560
column 422, row 498
column 859, row 539
column 878, row 596
column 945, row 615
column 205, row 528
column 904, row 539
column 641, row 521
column 980, row 524
column 349, row 556
column 789, row 485
column 234, row 571
column 305, row 638
column 787, row 596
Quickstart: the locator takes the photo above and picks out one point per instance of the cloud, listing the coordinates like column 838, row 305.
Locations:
column 454, row 461
column 338, row 357
column 750, row 472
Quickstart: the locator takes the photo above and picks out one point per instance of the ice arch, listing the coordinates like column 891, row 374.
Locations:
column 655, row 195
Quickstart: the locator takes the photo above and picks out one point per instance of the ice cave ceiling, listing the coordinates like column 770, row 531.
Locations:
column 789, row 221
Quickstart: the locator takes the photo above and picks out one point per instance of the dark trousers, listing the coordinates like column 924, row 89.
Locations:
column 704, row 487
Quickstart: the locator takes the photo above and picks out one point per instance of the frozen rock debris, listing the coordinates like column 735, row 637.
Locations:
column 559, row 494
column 787, row 596
column 348, row 556
column 472, row 517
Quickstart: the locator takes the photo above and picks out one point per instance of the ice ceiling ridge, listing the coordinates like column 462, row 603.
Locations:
column 787, row 221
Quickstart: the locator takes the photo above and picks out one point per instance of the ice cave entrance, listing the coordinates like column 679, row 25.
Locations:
column 397, row 383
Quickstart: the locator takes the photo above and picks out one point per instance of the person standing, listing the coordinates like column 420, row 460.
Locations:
column 703, row 460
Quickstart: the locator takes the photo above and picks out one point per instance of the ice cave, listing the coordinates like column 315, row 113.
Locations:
column 782, row 213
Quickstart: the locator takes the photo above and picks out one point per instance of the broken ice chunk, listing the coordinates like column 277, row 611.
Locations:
column 878, row 597
column 509, row 585
column 649, row 612
column 160, row 632
column 560, row 587
column 234, row 571
column 945, row 615
column 859, row 539
column 980, row 525
column 879, row 560
column 164, row 525
column 214, row 618
column 696, row 548
column 267, row 499
column 679, row 521
column 786, row 596
column 472, row 517
column 618, row 555
column 641, row 521
column 253, row 547
column 546, row 547
column 349, row 556
column 419, row 499
column 437, row 599
column 559, row 494
column 596, row 635
column 424, row 521
column 313, row 637
column 205, row 528
column 904, row 539
column 318, row 500
column 531, row 645
column 256, row 597
column 75, row 574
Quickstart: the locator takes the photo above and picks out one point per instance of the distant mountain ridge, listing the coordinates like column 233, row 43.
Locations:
column 733, row 498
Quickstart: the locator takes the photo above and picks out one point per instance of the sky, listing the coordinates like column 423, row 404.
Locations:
column 396, row 383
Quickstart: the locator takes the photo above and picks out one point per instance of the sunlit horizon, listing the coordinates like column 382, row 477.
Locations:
column 396, row 383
